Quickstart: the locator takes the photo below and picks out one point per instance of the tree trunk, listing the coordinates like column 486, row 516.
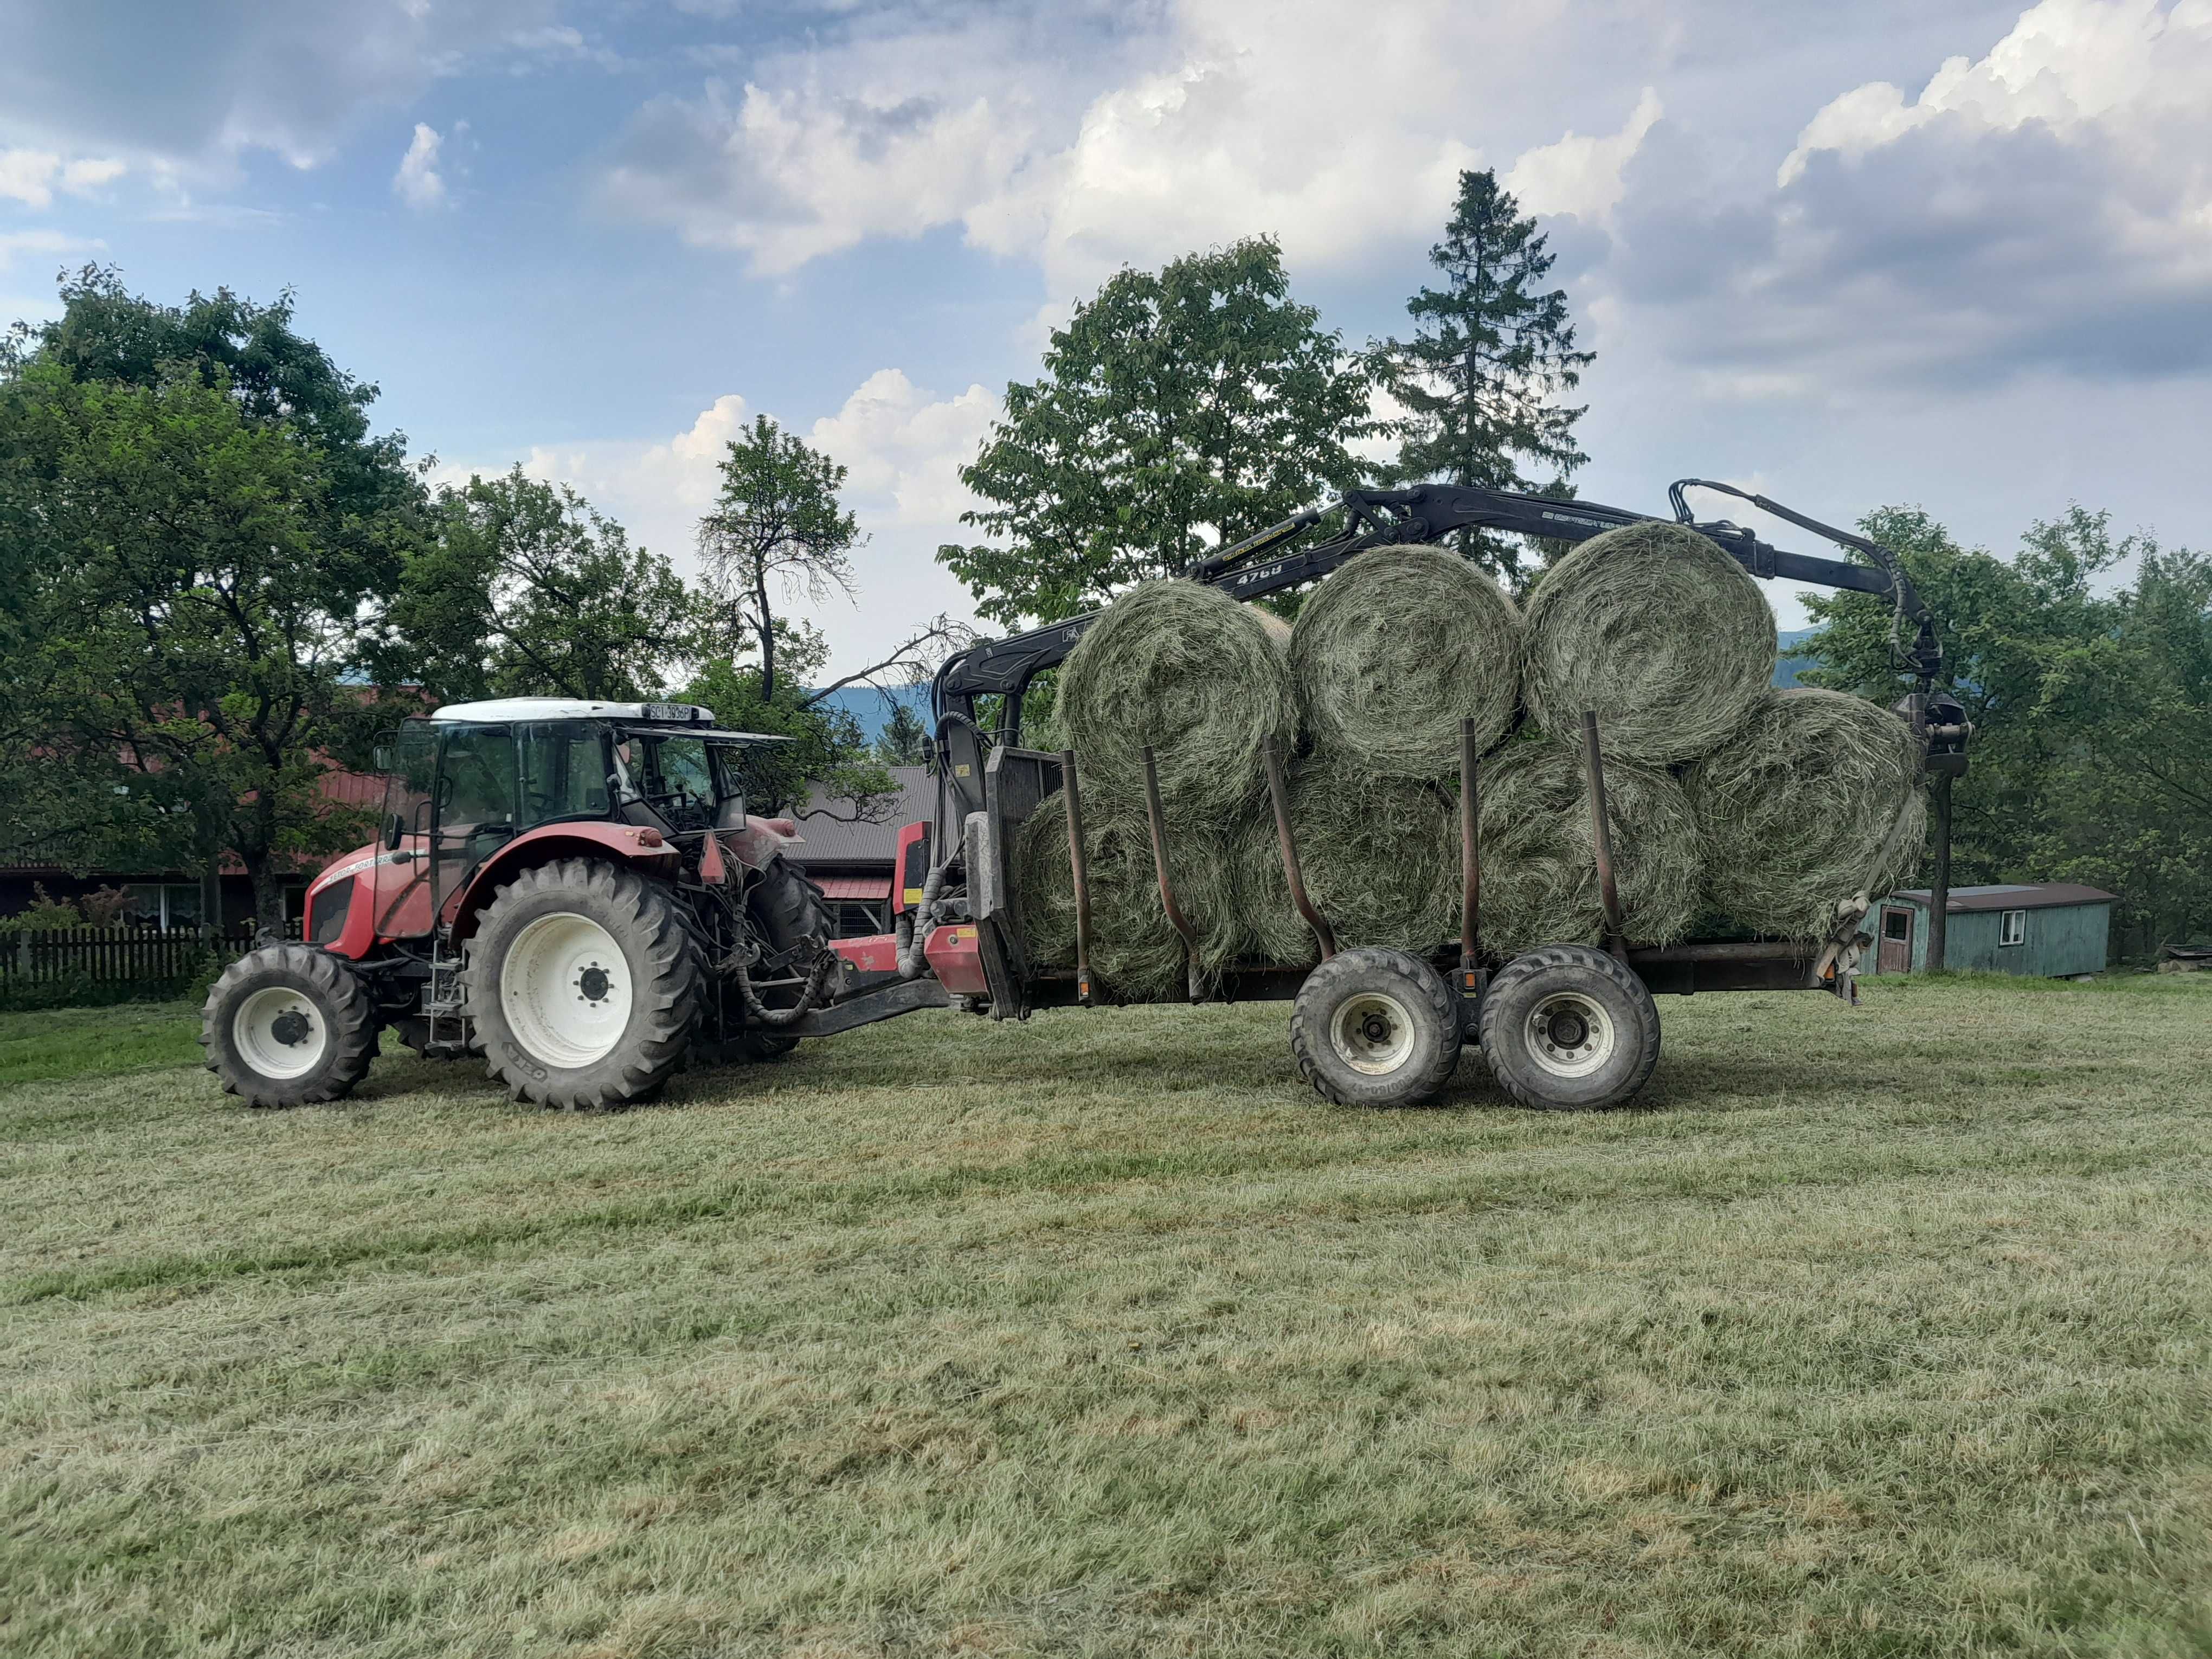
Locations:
column 1939, row 897
column 766, row 640
column 211, row 897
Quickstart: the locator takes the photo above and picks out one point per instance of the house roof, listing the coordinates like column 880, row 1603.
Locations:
column 839, row 841
column 2012, row 895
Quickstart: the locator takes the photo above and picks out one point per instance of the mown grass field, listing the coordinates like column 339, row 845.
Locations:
column 1874, row 1332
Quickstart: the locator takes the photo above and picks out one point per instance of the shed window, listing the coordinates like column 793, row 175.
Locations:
column 2012, row 929
column 1896, row 924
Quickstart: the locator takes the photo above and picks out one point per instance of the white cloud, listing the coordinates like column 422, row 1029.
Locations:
column 1582, row 175
column 902, row 446
column 48, row 242
column 2070, row 64
column 418, row 182
column 1188, row 126
column 32, row 176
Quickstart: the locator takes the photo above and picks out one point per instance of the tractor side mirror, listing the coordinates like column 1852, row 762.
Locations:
column 395, row 828
column 382, row 758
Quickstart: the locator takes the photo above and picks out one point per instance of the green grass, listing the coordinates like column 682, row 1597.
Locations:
column 1876, row 1332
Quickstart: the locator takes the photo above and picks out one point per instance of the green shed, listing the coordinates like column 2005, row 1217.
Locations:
column 2046, row 930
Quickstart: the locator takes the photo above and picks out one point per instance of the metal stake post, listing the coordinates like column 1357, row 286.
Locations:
column 1279, row 795
column 1071, row 798
column 1474, row 979
column 1601, row 839
column 1176, row 917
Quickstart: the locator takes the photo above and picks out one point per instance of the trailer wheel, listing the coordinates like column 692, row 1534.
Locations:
column 1567, row 1027
column 288, row 1025
column 1375, row 1027
column 583, row 985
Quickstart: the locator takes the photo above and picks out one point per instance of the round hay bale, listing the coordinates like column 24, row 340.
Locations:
column 1190, row 672
column 1539, row 882
column 1395, row 649
column 1663, row 635
column 1136, row 955
column 1380, row 857
column 1796, row 809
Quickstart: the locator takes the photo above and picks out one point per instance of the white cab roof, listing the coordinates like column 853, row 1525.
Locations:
column 563, row 709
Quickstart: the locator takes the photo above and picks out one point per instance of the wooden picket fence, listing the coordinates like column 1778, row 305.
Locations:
column 114, row 955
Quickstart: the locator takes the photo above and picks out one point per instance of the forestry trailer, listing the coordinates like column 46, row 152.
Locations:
column 576, row 892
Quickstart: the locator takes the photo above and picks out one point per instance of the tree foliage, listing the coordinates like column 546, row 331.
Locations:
column 1493, row 353
column 2091, row 696
column 523, row 588
column 1179, row 409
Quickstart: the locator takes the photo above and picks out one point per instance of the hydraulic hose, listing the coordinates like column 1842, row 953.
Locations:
column 758, row 1012
column 913, row 926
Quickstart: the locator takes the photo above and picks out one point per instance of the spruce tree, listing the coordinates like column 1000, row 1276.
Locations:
column 1492, row 353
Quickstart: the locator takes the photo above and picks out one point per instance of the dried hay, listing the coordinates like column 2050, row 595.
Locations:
column 1662, row 635
column 1540, row 883
column 1135, row 954
column 1795, row 810
column 1380, row 857
column 1397, row 647
column 1194, row 674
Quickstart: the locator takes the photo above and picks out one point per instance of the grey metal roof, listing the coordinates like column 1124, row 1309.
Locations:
column 837, row 841
column 2012, row 895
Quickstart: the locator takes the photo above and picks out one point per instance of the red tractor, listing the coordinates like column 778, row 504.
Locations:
column 572, row 890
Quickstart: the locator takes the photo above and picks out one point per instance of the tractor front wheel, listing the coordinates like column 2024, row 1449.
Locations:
column 584, row 986
column 288, row 1025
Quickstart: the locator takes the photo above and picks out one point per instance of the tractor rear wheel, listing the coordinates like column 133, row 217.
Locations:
column 1567, row 1027
column 583, row 985
column 1375, row 1027
column 288, row 1025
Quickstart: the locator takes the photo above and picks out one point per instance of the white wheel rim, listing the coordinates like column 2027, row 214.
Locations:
column 565, row 989
column 1571, row 1035
column 280, row 1033
column 1372, row 1033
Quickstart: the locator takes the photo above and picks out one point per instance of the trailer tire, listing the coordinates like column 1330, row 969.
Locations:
column 288, row 1024
column 1567, row 1028
column 584, row 986
column 1375, row 1027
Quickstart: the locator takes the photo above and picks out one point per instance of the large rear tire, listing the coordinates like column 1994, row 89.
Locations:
column 288, row 1025
column 584, row 986
column 1568, row 1028
column 1375, row 1027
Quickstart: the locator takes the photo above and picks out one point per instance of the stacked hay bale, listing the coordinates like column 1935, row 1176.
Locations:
column 1814, row 799
column 1725, row 798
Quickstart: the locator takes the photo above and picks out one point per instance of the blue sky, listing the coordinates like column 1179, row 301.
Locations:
column 1960, row 255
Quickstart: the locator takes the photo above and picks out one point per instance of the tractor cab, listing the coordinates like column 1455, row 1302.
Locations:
column 468, row 786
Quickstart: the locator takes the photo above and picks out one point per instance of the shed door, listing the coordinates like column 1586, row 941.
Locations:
column 1895, row 954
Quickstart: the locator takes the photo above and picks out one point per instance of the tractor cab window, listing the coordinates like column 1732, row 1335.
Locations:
column 675, row 775
column 412, row 774
column 476, row 806
column 564, row 771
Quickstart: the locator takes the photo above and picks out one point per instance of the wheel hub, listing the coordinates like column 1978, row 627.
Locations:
column 564, row 986
column 1571, row 1035
column 1372, row 1033
column 279, row 1033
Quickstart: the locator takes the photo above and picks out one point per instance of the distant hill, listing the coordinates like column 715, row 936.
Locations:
column 1789, row 663
column 872, row 708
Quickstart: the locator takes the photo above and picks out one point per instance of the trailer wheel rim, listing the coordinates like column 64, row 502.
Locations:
column 280, row 1033
column 565, row 990
column 1372, row 1033
column 1571, row 1035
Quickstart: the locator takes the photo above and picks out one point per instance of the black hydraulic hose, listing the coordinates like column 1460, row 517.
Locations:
column 913, row 926
column 758, row 1012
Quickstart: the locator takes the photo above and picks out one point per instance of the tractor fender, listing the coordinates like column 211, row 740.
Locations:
column 639, row 848
column 757, row 845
